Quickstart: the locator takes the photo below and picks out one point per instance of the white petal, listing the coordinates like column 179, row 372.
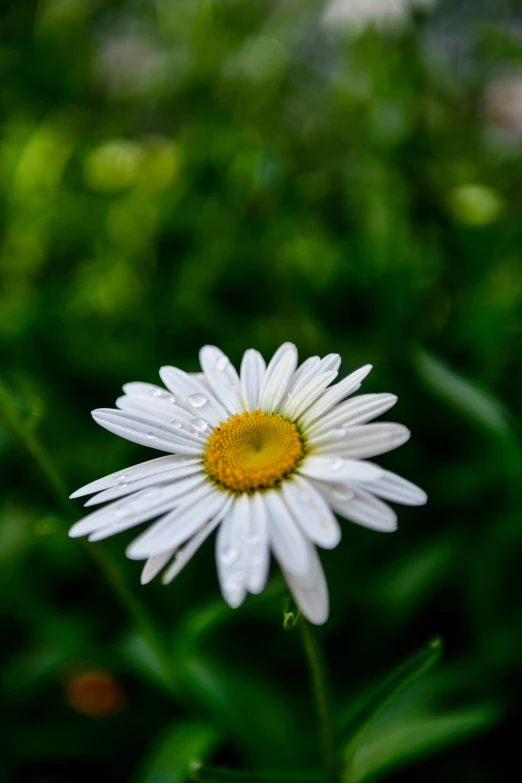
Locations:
column 123, row 489
column 338, row 470
column 146, row 431
column 174, row 415
column 193, row 395
column 140, row 507
column 393, row 487
column 310, row 369
column 258, row 545
column 154, row 565
column 180, row 524
column 368, row 440
column 253, row 368
column 330, row 362
column 358, row 410
column 151, row 468
column 287, row 541
column 337, row 393
column 310, row 590
column 304, row 372
column 277, row 377
column 147, row 390
column 231, row 552
column 222, row 378
column 184, row 554
column 312, row 512
column 363, row 508
column 298, row 401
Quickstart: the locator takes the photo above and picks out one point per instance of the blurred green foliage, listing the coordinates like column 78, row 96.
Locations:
column 181, row 172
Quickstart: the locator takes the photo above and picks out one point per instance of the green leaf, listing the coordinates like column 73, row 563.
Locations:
column 201, row 620
column 399, row 741
column 463, row 395
column 392, row 687
column 257, row 714
column 172, row 759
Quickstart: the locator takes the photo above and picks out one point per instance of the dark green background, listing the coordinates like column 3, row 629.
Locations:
column 181, row 172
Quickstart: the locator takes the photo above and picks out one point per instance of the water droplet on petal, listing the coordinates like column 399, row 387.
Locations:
column 337, row 463
column 121, row 512
column 199, row 425
column 342, row 494
column 254, row 539
column 303, row 496
column 222, row 362
column 229, row 556
column 175, row 423
column 340, row 433
column 171, row 399
column 120, row 478
column 157, row 393
column 153, row 492
column 327, row 523
column 234, row 581
column 151, row 436
column 197, row 400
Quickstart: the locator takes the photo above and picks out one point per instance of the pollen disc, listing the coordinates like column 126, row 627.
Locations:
column 253, row 451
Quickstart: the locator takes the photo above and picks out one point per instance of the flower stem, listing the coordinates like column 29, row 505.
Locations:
column 318, row 674
column 52, row 480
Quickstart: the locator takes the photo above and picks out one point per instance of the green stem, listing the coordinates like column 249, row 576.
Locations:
column 112, row 573
column 320, row 689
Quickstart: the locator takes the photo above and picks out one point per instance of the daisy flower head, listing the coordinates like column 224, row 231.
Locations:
column 268, row 456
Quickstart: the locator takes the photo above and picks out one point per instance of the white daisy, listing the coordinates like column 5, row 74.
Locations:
column 267, row 456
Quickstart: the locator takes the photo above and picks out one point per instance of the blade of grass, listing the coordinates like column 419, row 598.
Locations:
column 113, row 575
column 399, row 680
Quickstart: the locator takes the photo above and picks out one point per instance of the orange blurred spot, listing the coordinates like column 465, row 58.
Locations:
column 94, row 693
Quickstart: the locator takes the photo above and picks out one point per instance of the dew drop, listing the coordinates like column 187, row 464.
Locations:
column 199, row 425
column 342, row 494
column 222, row 363
column 340, row 433
column 171, row 399
column 151, row 436
column 303, row 496
column 229, row 556
column 120, row 479
column 121, row 512
column 197, row 400
column 234, row 581
column 254, row 539
column 153, row 492
column 175, row 423
column 157, row 393
column 327, row 524
column 337, row 463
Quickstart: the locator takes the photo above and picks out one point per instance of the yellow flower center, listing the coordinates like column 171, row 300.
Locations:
column 253, row 451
